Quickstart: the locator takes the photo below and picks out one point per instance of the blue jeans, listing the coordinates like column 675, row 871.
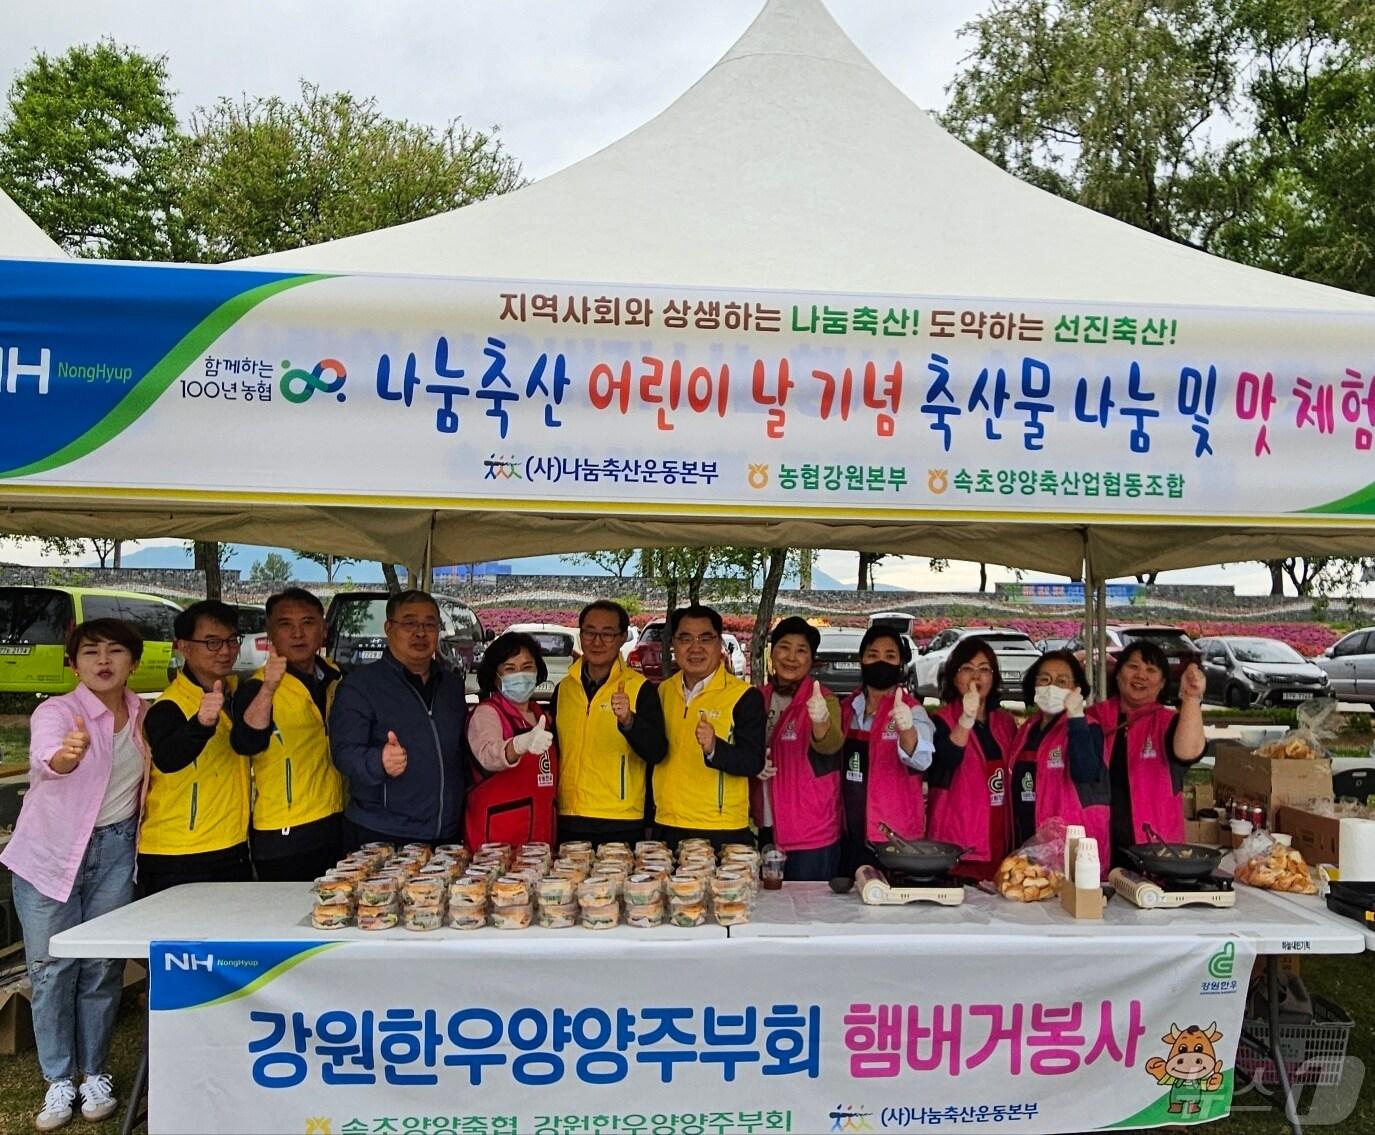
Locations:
column 76, row 1000
column 815, row 865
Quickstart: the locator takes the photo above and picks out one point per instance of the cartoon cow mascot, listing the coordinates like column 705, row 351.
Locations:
column 1191, row 1068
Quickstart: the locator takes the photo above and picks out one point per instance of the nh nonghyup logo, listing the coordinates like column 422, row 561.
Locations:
column 299, row 385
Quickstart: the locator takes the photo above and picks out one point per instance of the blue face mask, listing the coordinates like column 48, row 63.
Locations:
column 519, row 687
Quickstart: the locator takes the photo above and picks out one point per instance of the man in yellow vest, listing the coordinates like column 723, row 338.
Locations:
column 280, row 713
column 611, row 730
column 715, row 727
column 195, row 817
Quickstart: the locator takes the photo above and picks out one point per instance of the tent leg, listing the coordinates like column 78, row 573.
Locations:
column 427, row 565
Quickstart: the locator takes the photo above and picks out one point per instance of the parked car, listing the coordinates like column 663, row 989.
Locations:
column 649, row 655
column 1014, row 650
column 835, row 663
column 253, row 649
column 1180, row 650
column 561, row 647
column 632, row 636
column 1243, row 671
column 357, row 636
column 734, row 654
column 1349, row 664
column 35, row 623
column 1046, row 645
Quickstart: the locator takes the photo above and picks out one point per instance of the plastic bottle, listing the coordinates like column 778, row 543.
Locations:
column 1073, row 834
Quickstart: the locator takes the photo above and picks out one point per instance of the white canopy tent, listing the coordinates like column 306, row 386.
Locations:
column 20, row 237
column 792, row 164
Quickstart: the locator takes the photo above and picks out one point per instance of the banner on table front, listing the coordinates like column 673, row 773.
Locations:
column 705, row 1037
column 134, row 380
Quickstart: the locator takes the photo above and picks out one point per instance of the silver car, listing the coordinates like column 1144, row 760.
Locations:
column 1015, row 652
column 1350, row 666
column 561, row 647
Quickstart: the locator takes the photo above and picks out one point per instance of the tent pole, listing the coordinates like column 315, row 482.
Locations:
column 1100, row 631
column 427, row 564
column 1090, row 638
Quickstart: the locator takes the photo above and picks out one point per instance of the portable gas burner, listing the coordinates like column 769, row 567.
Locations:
column 1151, row 892
column 896, row 889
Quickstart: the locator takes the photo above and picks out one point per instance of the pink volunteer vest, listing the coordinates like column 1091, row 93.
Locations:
column 892, row 793
column 1057, row 796
column 807, row 810
column 1154, row 800
column 959, row 814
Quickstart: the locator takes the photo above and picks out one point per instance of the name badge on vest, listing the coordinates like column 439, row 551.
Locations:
column 1056, row 758
column 789, row 732
column 853, row 771
column 996, row 789
column 545, row 777
column 1029, row 788
column 1148, row 752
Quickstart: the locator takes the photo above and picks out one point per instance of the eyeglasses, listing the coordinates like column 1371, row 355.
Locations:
column 601, row 636
column 967, row 669
column 215, row 644
column 410, row 626
column 700, row 640
column 1063, row 682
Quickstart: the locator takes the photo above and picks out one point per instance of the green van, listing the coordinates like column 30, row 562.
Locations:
column 35, row 623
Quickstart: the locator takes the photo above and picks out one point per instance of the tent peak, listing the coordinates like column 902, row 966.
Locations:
column 796, row 27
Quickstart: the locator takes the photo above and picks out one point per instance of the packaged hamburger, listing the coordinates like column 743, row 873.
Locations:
column 423, row 917
column 731, row 886
column 730, row 913
column 331, row 916
column 510, row 891
column 468, row 917
column 602, row 917
column 575, row 847
column 558, row 916
column 405, row 866
column 425, row 890
column 687, row 912
column 419, row 851
column 377, row 917
column 645, row 915
column 456, row 850
column 380, row 890
column 384, row 850
column 531, row 875
column 691, row 888
column 332, row 890
column 574, row 868
column 556, row 890
column 511, row 917
column 643, row 888
column 596, row 891
column 468, row 890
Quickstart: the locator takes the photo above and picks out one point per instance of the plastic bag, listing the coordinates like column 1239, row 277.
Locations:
column 1318, row 722
column 1035, row 871
column 1263, row 862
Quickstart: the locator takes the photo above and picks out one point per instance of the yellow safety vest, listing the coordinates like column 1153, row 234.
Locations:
column 294, row 779
column 203, row 807
column 600, row 775
column 688, row 792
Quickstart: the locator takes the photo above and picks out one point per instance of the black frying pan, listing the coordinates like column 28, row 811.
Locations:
column 922, row 857
column 1174, row 860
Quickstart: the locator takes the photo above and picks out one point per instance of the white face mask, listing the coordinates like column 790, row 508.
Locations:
column 1050, row 699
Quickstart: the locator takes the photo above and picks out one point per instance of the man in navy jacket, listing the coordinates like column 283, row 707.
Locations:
column 397, row 733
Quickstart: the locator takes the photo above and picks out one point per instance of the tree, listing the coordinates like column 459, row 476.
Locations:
column 1108, row 103
column 393, row 580
column 613, row 561
column 327, row 560
column 867, row 560
column 106, row 549
column 88, row 149
column 209, row 556
column 273, row 569
column 263, row 175
column 775, row 562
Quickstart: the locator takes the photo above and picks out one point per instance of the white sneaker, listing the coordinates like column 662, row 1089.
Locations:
column 97, row 1098
column 57, row 1106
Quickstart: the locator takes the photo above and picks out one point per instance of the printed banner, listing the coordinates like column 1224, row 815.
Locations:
column 708, row 1037
column 134, row 380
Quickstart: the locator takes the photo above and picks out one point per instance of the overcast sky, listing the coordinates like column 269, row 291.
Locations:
column 560, row 79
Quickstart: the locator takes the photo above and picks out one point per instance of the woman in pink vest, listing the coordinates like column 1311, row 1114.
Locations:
column 1057, row 768
column 1148, row 747
column 512, row 741
column 888, row 745
column 797, row 796
column 968, row 774
column 72, row 854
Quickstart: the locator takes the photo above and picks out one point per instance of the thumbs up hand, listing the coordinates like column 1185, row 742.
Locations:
column 816, row 706
column 620, row 705
column 393, row 756
column 211, row 704
column 1074, row 703
column 969, row 707
column 537, row 740
column 706, row 735
column 274, row 670
column 902, row 713
column 76, row 743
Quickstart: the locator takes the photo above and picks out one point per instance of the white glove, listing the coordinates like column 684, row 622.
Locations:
column 1074, row 703
column 816, row 706
column 969, row 707
column 901, row 716
column 538, row 740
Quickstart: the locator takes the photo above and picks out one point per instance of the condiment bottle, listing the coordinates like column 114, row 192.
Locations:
column 1073, row 833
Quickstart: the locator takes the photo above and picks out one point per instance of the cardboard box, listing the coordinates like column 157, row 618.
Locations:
column 1240, row 774
column 1204, row 797
column 1318, row 838
column 1207, row 832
